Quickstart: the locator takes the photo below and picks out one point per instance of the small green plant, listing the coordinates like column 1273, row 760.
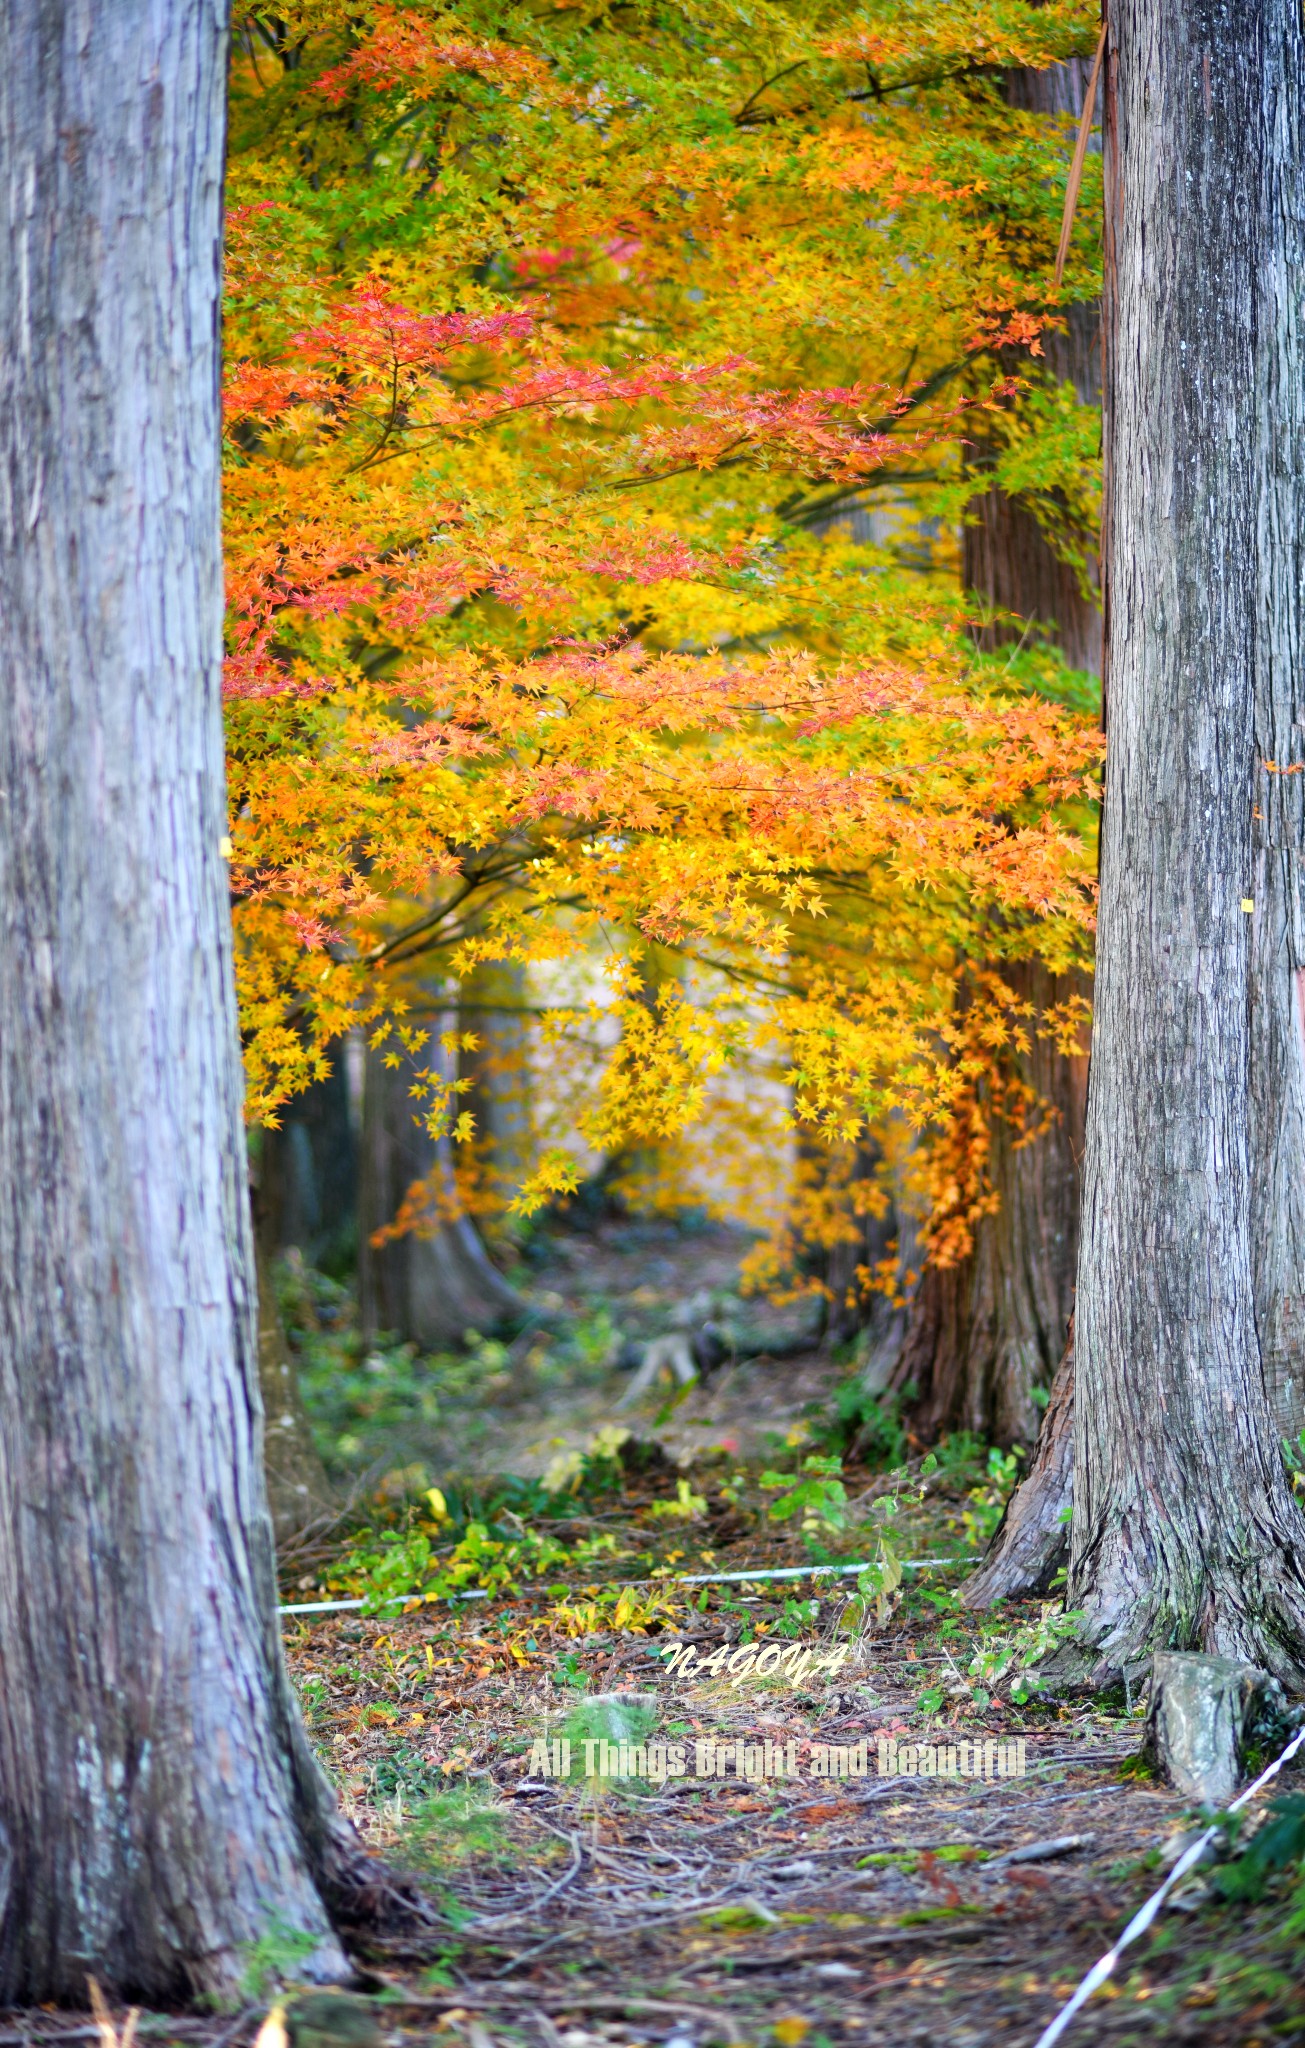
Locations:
column 816, row 1493
column 312, row 1699
column 687, row 1505
column 879, row 1585
column 611, row 1719
column 863, row 1425
column 399, row 1566
column 452, row 1827
column 1276, row 1847
column 275, row 1959
column 988, row 1499
column 403, row 1771
column 798, row 1616
column 960, row 1458
column 1294, row 1458
column 607, row 1719
column 1019, row 1650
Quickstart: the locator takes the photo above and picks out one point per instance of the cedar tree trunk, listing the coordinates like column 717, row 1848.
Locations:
column 435, row 1283
column 1185, row 1532
column 308, row 1174
column 299, row 1492
column 493, row 1007
column 983, row 1333
column 158, row 1803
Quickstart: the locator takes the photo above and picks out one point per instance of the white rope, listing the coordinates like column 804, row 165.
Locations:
column 799, row 1571
column 1142, row 1919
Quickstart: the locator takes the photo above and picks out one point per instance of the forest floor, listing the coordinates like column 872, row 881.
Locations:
column 693, row 1910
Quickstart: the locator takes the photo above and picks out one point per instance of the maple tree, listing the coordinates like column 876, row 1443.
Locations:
column 561, row 347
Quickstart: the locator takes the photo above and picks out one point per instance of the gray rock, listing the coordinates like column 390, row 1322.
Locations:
column 1203, row 1712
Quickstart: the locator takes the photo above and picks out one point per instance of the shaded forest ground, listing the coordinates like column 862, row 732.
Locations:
column 864, row 1910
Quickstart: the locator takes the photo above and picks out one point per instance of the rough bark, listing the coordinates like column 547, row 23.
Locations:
column 158, row 1802
column 1185, row 1533
column 1031, row 1542
column 308, row 1174
column 305, row 1199
column 987, row 1330
column 492, row 1005
column 299, row 1493
column 434, row 1284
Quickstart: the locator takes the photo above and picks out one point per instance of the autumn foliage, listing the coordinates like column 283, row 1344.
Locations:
column 600, row 383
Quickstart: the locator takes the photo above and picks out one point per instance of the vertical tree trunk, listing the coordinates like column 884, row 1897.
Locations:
column 434, row 1283
column 305, row 1198
column 299, row 1493
column 158, row 1803
column 308, row 1174
column 492, row 1005
column 1185, row 1532
column 1031, row 1543
column 985, row 1332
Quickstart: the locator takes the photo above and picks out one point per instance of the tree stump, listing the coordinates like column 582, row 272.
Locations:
column 1203, row 1713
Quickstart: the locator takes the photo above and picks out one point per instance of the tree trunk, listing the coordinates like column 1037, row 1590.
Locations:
column 987, row 1330
column 299, row 1493
column 158, row 1802
column 984, row 1332
column 493, row 1004
column 308, row 1174
column 1031, row 1543
column 436, row 1282
column 305, row 1199
column 1185, row 1532
column 637, row 1173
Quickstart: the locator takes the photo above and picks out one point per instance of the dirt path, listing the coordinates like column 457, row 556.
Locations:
column 867, row 1910
column 863, row 1910
column 770, row 1911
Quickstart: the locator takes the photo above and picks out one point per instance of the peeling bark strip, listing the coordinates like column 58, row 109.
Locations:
column 1184, row 1531
column 157, row 1798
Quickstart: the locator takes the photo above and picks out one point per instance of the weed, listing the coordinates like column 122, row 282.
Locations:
column 312, row 1699
column 449, row 1828
column 609, row 1718
column 816, row 1493
column 798, row 1617
column 397, row 1566
column 617, row 1607
column 405, row 1772
column 1276, row 1846
column 275, row 1959
column 988, row 1500
column 864, row 1426
column 567, row 1671
column 1019, row 1650
column 687, row 1505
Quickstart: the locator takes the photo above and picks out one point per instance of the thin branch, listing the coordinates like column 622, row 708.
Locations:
column 765, row 86
column 1080, row 156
